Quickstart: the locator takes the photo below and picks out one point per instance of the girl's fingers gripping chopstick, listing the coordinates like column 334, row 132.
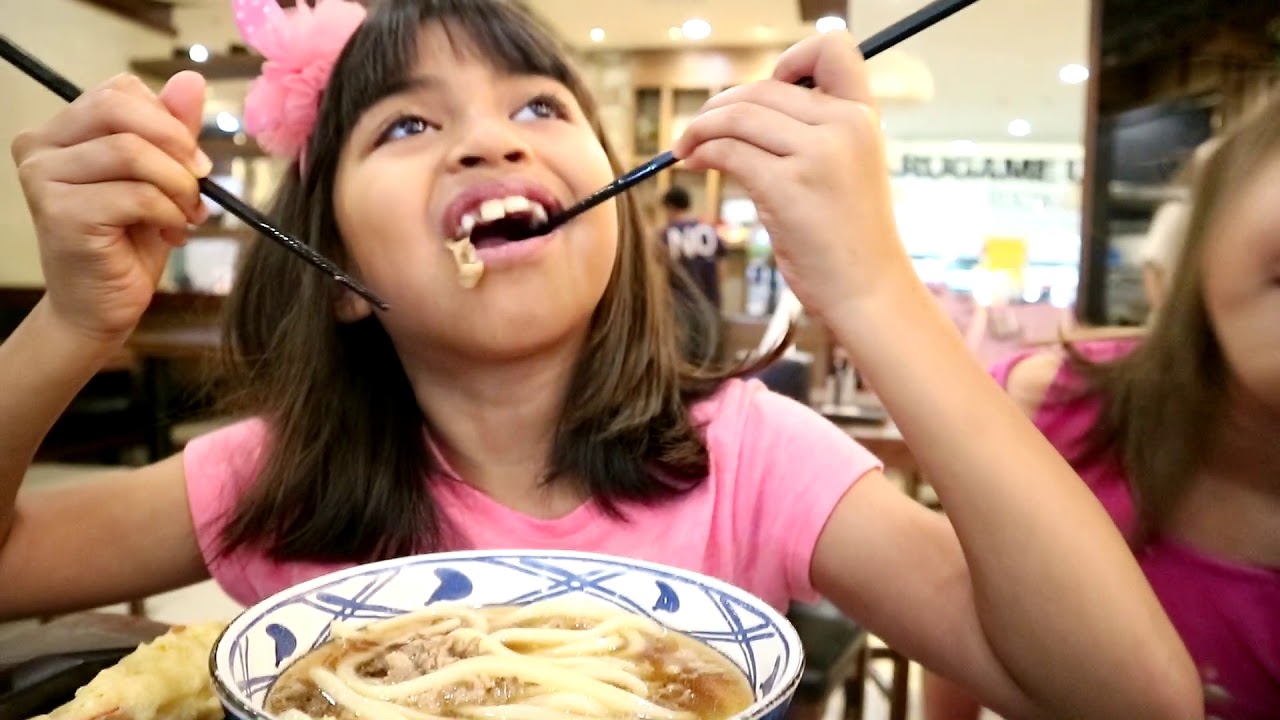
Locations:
column 755, row 131
column 125, row 105
column 833, row 61
column 129, row 157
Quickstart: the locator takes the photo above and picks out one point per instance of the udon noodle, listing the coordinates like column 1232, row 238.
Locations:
column 552, row 660
column 470, row 266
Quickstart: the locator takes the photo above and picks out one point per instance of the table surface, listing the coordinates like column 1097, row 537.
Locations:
column 77, row 633
column 883, row 439
column 826, row 635
column 885, row 442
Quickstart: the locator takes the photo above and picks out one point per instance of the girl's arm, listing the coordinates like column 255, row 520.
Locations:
column 111, row 184
column 1028, row 383
column 1030, row 595
column 121, row 536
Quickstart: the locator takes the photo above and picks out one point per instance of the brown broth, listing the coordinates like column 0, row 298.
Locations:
column 680, row 673
column 716, row 689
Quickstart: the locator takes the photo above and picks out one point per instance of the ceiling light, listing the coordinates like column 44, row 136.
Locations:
column 597, row 34
column 198, row 53
column 1019, row 128
column 696, row 29
column 674, row 33
column 1073, row 74
column 831, row 23
column 227, row 122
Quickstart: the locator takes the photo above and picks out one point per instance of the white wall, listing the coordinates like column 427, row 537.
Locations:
column 84, row 43
column 209, row 24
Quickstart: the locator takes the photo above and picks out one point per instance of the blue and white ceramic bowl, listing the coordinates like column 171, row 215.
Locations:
column 266, row 638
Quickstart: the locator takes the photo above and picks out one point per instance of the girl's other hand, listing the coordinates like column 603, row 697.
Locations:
column 813, row 163
column 111, row 182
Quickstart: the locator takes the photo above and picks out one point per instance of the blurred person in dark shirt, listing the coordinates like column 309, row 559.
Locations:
column 693, row 244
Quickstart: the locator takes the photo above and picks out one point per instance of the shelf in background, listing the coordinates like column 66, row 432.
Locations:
column 217, row 67
column 1140, row 196
column 220, row 145
column 147, row 13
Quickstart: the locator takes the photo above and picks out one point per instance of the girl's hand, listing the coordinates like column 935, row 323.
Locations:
column 813, row 163
column 111, row 182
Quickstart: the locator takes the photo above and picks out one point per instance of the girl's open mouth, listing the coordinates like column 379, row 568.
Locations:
column 501, row 220
column 485, row 222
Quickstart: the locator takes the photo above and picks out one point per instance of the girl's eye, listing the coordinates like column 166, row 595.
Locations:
column 541, row 107
column 403, row 127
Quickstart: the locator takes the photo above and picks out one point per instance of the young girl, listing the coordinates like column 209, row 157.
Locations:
column 548, row 406
column 1177, row 434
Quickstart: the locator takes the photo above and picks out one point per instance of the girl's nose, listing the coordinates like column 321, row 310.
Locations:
column 489, row 143
column 477, row 159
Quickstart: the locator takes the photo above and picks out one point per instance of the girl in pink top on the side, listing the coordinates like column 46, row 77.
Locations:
column 549, row 405
column 1178, row 434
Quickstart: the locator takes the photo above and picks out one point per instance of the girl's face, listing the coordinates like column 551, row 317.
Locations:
column 459, row 136
column 1242, row 284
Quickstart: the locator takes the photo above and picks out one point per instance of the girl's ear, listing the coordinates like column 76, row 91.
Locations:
column 353, row 308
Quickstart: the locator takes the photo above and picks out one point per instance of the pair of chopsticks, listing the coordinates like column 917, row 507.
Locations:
column 916, row 22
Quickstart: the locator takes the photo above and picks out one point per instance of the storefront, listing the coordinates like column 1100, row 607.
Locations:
column 998, row 219
column 965, row 210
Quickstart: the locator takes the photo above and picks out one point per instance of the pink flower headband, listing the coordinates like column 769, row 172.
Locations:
column 301, row 46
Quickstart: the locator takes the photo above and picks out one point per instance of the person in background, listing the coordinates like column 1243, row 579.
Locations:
column 1178, row 432
column 1167, row 232
column 1164, row 239
column 693, row 243
column 548, row 406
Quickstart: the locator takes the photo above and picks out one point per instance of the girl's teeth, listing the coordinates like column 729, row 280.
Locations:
column 498, row 208
column 516, row 204
column 491, row 210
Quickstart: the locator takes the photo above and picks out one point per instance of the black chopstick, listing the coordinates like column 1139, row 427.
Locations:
column 922, row 19
column 65, row 89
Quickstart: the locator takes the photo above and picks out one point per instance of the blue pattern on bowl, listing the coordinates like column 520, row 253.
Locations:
column 266, row 638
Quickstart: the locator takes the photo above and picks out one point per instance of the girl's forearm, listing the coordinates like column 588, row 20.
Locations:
column 1060, row 596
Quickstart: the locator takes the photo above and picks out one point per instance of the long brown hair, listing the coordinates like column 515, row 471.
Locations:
column 1159, row 398
column 344, row 477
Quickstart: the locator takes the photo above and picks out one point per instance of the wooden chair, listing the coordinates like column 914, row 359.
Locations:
column 834, row 650
column 896, row 688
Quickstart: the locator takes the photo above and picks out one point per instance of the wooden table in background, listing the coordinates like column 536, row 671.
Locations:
column 157, row 348
column 77, row 633
column 882, row 438
column 885, row 442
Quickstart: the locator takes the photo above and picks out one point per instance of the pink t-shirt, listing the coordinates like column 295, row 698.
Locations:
column 777, row 471
column 1227, row 614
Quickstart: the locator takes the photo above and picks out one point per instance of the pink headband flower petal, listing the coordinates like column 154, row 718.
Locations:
column 301, row 46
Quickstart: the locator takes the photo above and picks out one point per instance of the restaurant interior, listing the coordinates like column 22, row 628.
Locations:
column 1030, row 143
